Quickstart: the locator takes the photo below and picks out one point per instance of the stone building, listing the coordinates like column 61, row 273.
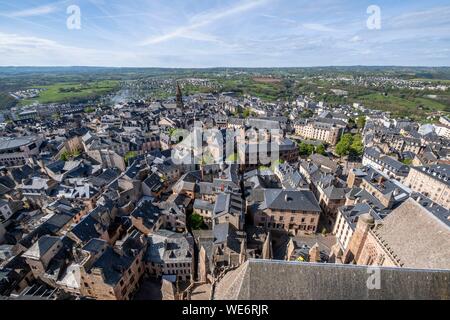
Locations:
column 393, row 168
column 423, row 226
column 170, row 254
column 295, row 212
column 229, row 208
column 328, row 132
column 433, row 181
column 106, row 272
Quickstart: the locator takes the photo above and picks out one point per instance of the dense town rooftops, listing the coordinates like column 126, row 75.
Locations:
column 102, row 200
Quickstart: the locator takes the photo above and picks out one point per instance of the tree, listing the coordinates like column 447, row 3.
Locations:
column 351, row 123
column 361, row 122
column 305, row 149
column 130, row 155
column 64, row 156
column 307, row 114
column 357, row 147
column 246, row 113
column 408, row 162
column 320, row 149
column 350, row 145
column 344, row 145
column 197, row 222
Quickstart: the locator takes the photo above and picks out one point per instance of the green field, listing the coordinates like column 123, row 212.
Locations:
column 269, row 92
column 432, row 80
column 414, row 107
column 73, row 92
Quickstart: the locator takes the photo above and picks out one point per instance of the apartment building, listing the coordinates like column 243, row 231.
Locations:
column 433, row 181
column 296, row 212
column 329, row 132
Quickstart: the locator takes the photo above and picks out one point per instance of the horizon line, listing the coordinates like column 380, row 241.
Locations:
column 225, row 67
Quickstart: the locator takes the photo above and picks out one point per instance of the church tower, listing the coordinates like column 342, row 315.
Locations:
column 267, row 252
column 180, row 104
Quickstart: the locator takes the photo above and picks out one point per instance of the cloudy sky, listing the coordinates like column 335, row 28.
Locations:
column 224, row 33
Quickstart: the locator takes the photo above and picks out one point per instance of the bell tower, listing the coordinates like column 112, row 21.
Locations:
column 180, row 104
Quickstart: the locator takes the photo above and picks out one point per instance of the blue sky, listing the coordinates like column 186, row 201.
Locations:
column 224, row 33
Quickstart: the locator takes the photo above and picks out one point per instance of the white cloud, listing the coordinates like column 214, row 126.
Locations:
column 356, row 39
column 14, row 41
column 421, row 19
column 284, row 20
column 317, row 27
column 26, row 50
column 204, row 19
column 37, row 11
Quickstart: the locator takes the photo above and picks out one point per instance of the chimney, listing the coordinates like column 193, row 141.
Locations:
column 314, row 253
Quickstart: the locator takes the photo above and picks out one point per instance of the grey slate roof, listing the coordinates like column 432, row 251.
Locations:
column 298, row 200
column 203, row 205
column 226, row 233
column 12, row 143
column 112, row 264
column 41, row 247
column 228, row 203
column 352, row 213
column 440, row 172
column 167, row 246
column 281, row 280
column 148, row 212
